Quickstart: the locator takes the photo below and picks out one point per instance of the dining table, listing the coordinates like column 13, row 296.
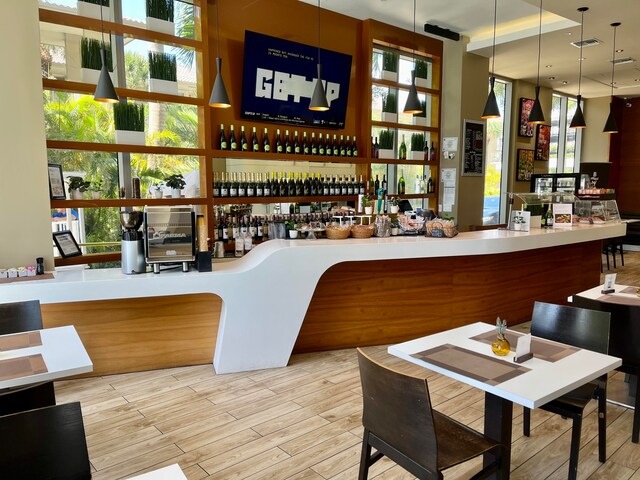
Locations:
column 465, row 354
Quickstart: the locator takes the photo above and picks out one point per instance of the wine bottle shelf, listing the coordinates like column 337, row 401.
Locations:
column 287, row 157
column 126, row 202
column 309, row 199
column 404, row 126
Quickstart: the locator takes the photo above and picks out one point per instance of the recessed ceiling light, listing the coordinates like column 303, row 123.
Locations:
column 548, row 66
column 564, row 82
column 569, row 33
column 552, row 78
column 581, row 58
column 637, row 80
column 619, row 50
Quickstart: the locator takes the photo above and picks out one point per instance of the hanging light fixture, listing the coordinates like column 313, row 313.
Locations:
column 611, row 126
column 412, row 105
column 536, row 115
column 105, row 92
column 319, row 98
column 491, row 109
column 219, row 96
column 578, row 118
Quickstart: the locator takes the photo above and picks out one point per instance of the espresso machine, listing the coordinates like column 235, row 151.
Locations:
column 132, row 244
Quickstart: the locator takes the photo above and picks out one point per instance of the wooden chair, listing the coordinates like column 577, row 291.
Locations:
column 23, row 317
column 400, row 424
column 612, row 246
column 588, row 329
column 45, row 443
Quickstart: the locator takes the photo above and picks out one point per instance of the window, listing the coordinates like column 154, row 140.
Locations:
column 564, row 152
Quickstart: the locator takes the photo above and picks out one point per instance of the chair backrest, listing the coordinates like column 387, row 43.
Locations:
column 397, row 409
column 20, row 317
column 579, row 327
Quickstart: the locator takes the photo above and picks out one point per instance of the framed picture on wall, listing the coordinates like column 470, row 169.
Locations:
column 473, row 155
column 525, row 129
column 66, row 244
column 543, row 141
column 525, row 165
column 56, row 182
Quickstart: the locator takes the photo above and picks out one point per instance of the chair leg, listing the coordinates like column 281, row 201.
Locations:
column 575, row 447
column 613, row 253
column 621, row 254
column 607, row 254
column 526, row 422
column 636, row 413
column 365, row 456
column 602, row 424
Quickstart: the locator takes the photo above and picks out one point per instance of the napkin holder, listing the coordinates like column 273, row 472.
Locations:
column 523, row 349
column 523, row 358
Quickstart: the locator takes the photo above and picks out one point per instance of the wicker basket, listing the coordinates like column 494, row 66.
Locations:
column 335, row 232
column 435, row 228
column 362, row 231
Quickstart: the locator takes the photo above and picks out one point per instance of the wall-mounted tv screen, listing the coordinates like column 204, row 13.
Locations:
column 279, row 77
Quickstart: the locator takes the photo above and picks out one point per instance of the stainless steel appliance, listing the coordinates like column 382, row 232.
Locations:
column 170, row 236
column 132, row 243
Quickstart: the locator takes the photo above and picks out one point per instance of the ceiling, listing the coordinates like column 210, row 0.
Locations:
column 516, row 36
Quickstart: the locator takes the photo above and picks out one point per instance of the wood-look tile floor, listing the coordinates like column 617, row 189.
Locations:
column 302, row 422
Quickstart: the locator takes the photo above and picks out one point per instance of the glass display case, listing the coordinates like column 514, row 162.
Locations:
column 596, row 211
column 559, row 182
column 585, row 212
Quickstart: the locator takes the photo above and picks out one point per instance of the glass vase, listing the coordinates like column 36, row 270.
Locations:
column 501, row 346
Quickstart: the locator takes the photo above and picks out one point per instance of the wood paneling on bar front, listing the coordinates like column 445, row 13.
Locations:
column 143, row 333
column 390, row 301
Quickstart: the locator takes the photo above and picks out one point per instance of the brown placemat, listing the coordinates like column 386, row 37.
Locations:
column 471, row 364
column 619, row 300
column 541, row 348
column 632, row 290
column 20, row 340
column 22, row 367
column 46, row 276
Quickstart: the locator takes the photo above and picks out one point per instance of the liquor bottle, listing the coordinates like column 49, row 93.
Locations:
column 376, row 186
column 354, row 147
column 279, row 146
column 287, row 143
column 306, row 149
column 266, row 144
column 320, row 145
column 275, row 185
column 233, row 190
column 259, row 186
column 427, row 155
column 361, row 186
column 314, row 144
column 348, row 147
column 251, row 186
column 336, row 146
column 224, row 186
column 299, row 185
column 243, row 226
column 233, row 144
column 314, row 185
column 306, row 186
column 343, row 147
column 216, row 185
column 549, row 217
column 326, row 187
column 384, row 184
column 242, row 185
column 243, row 140
column 402, row 154
column 431, row 188
column 401, row 185
column 253, row 227
column 332, row 186
column 259, row 229
column 416, row 184
column 376, row 149
column 328, row 147
column 235, row 229
column 222, row 138
column 225, row 230
column 432, row 153
column 296, row 143
column 255, row 143
column 344, row 188
column 292, row 185
column 266, row 186
column 350, row 186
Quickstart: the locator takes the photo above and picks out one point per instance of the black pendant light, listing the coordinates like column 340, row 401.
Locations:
column 412, row 105
column 105, row 92
column 491, row 109
column 611, row 126
column 578, row 118
column 219, row 96
column 536, row 115
column 319, row 98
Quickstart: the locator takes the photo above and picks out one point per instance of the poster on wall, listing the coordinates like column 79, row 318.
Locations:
column 279, row 77
column 525, row 165
column 525, row 128
column 543, row 141
column 473, row 156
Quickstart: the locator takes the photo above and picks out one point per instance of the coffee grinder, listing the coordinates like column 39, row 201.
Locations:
column 132, row 244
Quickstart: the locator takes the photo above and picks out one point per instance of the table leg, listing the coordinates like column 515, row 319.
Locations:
column 497, row 426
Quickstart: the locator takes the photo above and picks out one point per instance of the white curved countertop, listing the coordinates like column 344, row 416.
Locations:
column 292, row 266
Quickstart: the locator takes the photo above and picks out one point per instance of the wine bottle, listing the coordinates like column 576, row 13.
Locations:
column 384, row 184
column 221, row 228
column 336, row 146
column 233, row 144
column 423, row 184
column 292, row 185
column 427, row 155
column 259, row 186
column 401, row 184
column 260, row 229
column 416, row 184
column 344, row 185
column 251, row 186
column 343, row 147
column 279, row 146
column 266, row 186
column 320, row 145
column 306, row 149
column 222, row 138
column 306, row 186
column 296, row 143
column 430, row 186
column 402, row 154
column 255, row 143
column 376, row 149
column 361, row 186
column 432, row 153
column 216, row 185
column 224, row 186
column 326, row 187
column 371, row 186
column 242, row 185
column 287, row 142
column 350, row 186
column 354, row 147
column 233, row 191
column 266, row 143
column 224, row 227
column 314, row 185
column 376, row 185
column 328, row 147
column 348, row 147
column 243, row 140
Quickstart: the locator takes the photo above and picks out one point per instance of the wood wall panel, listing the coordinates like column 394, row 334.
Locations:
column 628, row 161
column 389, row 301
column 142, row 333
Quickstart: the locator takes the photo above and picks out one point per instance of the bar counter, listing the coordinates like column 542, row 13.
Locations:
column 305, row 295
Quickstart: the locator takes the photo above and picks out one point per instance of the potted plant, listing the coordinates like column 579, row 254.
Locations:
column 390, row 66
column 421, row 118
column 157, row 190
column 90, row 60
column 386, row 144
column 290, row 225
column 77, row 187
column 518, row 222
column 96, row 188
column 394, row 204
column 176, row 183
column 129, row 122
column 395, row 228
column 160, row 16
column 390, row 107
column 417, row 146
column 422, row 73
column 163, row 73
column 91, row 9
column 367, row 205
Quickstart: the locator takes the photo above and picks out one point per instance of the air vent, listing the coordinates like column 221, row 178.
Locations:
column 589, row 42
column 621, row 61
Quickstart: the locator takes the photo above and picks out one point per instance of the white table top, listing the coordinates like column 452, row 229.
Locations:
column 544, row 382
column 596, row 292
column 63, row 354
column 172, row 472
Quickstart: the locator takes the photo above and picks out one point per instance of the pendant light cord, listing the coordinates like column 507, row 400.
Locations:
column 319, row 32
column 539, row 44
column 414, row 34
column 218, row 27
column 581, row 42
column 493, row 51
column 613, row 57
column 102, row 27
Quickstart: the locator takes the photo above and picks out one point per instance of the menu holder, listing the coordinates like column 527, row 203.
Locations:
column 523, row 349
column 609, row 283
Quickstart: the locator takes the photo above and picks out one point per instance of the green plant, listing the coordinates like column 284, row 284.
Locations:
column 423, row 113
column 390, row 102
column 175, row 181
column 386, row 139
column 78, row 183
column 162, row 9
column 390, row 61
column 422, row 69
column 128, row 116
column 163, row 66
column 417, row 142
column 290, row 224
column 395, row 201
column 97, row 185
column 104, row 3
column 365, row 201
column 90, row 54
